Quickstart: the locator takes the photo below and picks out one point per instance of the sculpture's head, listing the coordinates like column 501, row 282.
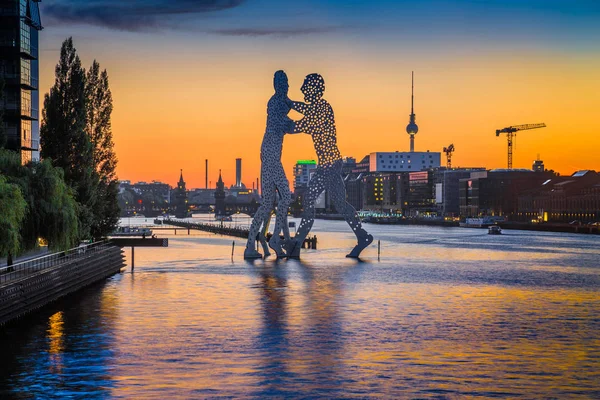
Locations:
column 313, row 88
column 280, row 83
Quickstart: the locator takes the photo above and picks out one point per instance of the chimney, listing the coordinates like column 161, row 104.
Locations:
column 238, row 172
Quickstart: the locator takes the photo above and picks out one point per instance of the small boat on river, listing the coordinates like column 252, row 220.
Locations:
column 494, row 230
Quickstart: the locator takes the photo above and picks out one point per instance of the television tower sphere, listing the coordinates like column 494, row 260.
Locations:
column 412, row 128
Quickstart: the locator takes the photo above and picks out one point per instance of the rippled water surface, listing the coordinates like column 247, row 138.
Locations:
column 445, row 313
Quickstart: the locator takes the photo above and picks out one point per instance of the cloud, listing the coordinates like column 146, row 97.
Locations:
column 282, row 32
column 130, row 15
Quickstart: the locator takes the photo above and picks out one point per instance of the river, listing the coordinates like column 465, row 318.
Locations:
column 444, row 313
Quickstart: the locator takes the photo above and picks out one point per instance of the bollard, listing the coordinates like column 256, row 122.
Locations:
column 232, row 249
column 378, row 249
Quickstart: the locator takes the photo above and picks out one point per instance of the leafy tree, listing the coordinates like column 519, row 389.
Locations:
column 98, row 126
column 51, row 208
column 2, row 132
column 63, row 133
column 12, row 212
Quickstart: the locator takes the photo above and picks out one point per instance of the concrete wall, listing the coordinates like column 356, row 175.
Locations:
column 21, row 296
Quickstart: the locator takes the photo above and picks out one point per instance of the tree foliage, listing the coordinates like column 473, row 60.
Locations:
column 98, row 127
column 51, row 207
column 76, row 135
column 12, row 212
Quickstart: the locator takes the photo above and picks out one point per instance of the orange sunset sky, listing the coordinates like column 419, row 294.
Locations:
column 186, row 93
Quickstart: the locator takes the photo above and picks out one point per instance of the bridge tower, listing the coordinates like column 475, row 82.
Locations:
column 220, row 198
column 181, row 207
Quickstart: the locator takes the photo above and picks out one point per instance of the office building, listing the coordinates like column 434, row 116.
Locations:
column 302, row 173
column 562, row 199
column 495, row 192
column 20, row 24
column 403, row 161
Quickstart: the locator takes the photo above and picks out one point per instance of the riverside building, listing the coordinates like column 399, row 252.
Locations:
column 20, row 24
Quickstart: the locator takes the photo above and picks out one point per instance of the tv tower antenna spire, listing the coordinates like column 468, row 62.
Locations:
column 412, row 127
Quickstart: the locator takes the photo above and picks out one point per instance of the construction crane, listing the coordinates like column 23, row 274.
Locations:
column 511, row 133
column 449, row 150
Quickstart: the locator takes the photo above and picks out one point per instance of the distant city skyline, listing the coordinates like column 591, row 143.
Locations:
column 190, row 82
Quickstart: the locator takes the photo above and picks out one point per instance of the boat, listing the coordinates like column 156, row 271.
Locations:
column 484, row 222
column 494, row 230
column 224, row 218
column 131, row 231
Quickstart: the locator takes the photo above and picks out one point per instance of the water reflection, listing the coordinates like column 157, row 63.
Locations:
column 445, row 313
column 56, row 342
column 272, row 340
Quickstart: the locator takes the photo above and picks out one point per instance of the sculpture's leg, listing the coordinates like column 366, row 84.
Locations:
column 337, row 191
column 315, row 188
column 259, row 218
column 262, row 236
column 285, row 198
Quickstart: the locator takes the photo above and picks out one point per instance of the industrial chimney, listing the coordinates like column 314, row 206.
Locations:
column 238, row 172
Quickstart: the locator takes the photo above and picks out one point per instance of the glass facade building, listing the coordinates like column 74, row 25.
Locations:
column 19, row 28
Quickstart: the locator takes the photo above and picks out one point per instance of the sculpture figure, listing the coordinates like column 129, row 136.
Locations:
column 272, row 174
column 319, row 122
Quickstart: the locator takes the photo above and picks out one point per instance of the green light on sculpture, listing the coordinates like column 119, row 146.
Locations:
column 306, row 162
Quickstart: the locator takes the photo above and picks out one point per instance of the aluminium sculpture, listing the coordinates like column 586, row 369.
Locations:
column 319, row 122
column 273, row 179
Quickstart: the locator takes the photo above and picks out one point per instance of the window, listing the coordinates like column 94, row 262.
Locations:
column 25, row 71
column 26, row 130
column 25, row 37
column 25, row 102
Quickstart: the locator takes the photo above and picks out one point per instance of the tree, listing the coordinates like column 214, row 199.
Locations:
column 12, row 212
column 63, row 133
column 52, row 212
column 2, row 132
column 98, row 127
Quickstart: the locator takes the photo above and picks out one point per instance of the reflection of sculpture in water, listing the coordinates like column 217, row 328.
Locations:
column 319, row 122
column 272, row 174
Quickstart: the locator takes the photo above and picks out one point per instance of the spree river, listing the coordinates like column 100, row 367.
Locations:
column 444, row 313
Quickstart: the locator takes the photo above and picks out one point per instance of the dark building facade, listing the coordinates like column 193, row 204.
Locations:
column 20, row 24
column 495, row 192
column 563, row 199
column 421, row 194
column 447, row 183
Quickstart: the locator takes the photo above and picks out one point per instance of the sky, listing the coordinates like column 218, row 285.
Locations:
column 191, row 78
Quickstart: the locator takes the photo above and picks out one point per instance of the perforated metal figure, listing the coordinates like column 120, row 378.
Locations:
column 272, row 173
column 319, row 122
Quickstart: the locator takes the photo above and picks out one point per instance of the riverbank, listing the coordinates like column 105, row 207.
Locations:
column 35, row 283
column 551, row 227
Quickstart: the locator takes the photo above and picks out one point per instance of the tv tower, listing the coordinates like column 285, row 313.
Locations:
column 412, row 127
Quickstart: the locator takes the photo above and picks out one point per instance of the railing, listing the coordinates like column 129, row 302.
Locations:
column 28, row 267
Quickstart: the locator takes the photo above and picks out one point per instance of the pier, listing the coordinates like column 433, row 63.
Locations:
column 309, row 242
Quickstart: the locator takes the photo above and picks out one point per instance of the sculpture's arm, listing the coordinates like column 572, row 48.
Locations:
column 301, row 126
column 290, row 127
column 299, row 106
